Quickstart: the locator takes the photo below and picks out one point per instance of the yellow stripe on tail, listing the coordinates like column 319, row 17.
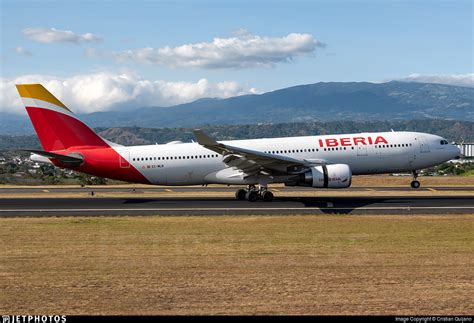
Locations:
column 37, row 91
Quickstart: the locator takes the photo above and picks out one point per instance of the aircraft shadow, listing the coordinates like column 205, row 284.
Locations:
column 329, row 205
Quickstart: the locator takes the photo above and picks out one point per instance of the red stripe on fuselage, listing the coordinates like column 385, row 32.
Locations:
column 104, row 162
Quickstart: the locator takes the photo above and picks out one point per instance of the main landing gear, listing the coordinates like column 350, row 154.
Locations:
column 253, row 193
column 414, row 183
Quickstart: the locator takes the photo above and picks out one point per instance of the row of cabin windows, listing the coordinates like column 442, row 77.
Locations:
column 331, row 149
column 174, row 157
column 268, row 152
column 393, row 146
column 291, row 151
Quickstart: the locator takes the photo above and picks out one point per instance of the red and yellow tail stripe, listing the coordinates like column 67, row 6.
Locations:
column 56, row 126
column 36, row 92
column 61, row 132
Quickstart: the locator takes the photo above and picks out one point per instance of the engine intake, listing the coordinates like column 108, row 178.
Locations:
column 325, row 176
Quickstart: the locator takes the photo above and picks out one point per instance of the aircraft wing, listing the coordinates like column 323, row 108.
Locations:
column 251, row 161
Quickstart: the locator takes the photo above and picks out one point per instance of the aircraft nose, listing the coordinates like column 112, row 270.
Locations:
column 456, row 152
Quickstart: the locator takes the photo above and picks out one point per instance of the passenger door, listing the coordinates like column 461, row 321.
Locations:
column 361, row 150
column 124, row 158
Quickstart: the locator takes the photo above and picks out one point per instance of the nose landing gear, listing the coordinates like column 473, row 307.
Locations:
column 414, row 183
column 253, row 193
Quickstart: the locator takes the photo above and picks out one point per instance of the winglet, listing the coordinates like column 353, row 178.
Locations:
column 203, row 139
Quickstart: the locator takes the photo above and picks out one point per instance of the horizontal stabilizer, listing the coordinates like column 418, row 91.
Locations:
column 64, row 159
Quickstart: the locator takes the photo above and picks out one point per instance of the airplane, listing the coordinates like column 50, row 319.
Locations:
column 327, row 161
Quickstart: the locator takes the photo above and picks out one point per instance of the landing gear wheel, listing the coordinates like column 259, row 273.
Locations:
column 251, row 196
column 415, row 184
column 240, row 194
column 267, row 196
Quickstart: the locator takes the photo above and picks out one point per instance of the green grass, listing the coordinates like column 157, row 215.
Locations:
column 468, row 173
column 238, row 265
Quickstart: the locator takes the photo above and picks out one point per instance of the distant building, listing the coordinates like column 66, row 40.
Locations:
column 467, row 149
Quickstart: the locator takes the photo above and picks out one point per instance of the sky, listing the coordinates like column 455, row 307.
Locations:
column 105, row 55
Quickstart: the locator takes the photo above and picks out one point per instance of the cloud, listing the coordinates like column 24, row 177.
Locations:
column 108, row 91
column 242, row 50
column 23, row 51
column 455, row 79
column 52, row 35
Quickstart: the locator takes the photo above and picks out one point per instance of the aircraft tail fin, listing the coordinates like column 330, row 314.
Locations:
column 56, row 126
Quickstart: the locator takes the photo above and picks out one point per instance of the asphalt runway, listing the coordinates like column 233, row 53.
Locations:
column 21, row 207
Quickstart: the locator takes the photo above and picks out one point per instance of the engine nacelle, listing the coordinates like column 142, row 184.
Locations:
column 326, row 176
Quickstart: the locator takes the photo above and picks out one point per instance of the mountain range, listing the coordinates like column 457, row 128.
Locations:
column 333, row 101
column 458, row 131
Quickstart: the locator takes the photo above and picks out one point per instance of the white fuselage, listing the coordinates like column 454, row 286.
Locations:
column 365, row 153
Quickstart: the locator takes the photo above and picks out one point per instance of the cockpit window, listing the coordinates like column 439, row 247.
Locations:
column 443, row 142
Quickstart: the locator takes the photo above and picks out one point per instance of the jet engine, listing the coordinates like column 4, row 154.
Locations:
column 325, row 176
